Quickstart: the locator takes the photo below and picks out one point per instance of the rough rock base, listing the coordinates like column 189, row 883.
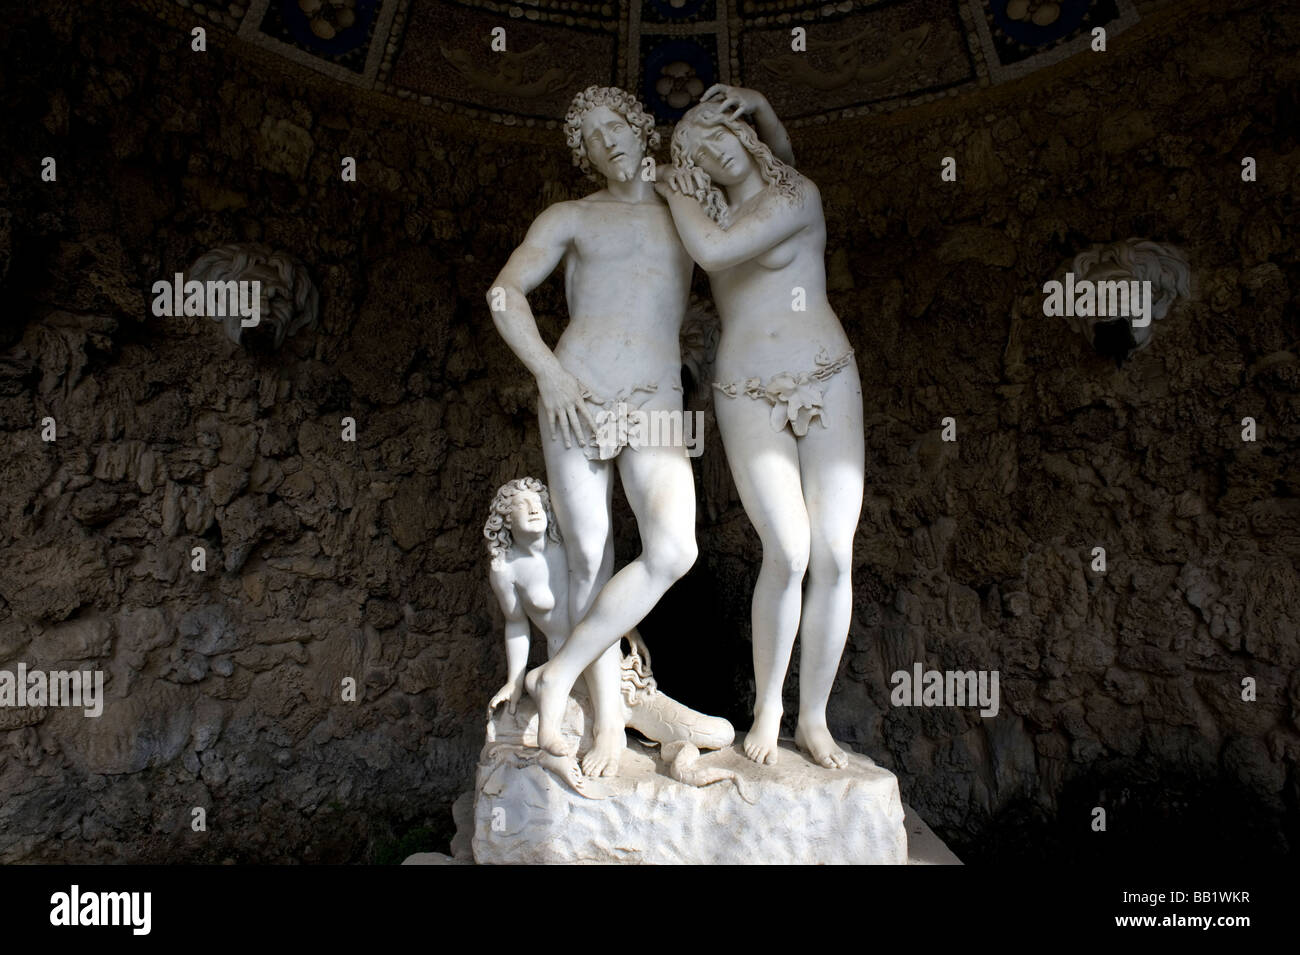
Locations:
column 793, row 813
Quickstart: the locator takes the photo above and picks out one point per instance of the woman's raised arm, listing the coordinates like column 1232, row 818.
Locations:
column 714, row 248
column 746, row 102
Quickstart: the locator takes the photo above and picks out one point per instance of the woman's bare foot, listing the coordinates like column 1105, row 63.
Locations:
column 550, row 712
column 816, row 741
column 761, row 740
column 606, row 753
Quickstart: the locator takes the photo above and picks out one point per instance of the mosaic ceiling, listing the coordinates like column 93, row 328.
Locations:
column 861, row 56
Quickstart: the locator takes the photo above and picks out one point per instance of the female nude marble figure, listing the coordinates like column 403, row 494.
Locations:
column 788, row 401
column 529, row 575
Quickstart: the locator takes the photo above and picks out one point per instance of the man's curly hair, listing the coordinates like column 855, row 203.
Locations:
column 621, row 102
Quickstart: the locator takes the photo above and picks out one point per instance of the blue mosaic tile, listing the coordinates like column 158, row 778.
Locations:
column 675, row 72
column 1016, row 35
column 345, row 44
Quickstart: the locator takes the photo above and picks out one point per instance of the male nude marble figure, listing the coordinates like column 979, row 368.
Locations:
column 627, row 279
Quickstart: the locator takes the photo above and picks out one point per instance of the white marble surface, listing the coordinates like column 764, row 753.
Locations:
column 793, row 813
column 924, row 847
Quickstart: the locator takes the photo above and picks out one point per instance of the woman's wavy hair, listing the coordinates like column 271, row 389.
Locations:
column 497, row 528
column 774, row 172
column 621, row 102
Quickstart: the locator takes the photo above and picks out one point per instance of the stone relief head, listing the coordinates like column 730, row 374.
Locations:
column 609, row 132
column 523, row 503
column 1131, row 260
column 713, row 150
column 289, row 300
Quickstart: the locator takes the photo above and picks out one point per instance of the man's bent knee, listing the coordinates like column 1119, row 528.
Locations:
column 670, row 558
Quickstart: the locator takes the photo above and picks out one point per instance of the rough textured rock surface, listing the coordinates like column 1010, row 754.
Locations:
column 794, row 813
column 923, row 846
column 329, row 559
column 726, row 810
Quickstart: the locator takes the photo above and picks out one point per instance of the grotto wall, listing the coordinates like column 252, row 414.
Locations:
column 329, row 559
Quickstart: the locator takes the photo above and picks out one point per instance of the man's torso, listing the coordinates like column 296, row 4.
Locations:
column 627, row 278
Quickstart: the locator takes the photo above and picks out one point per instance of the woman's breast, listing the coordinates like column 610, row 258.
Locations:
column 538, row 598
column 779, row 256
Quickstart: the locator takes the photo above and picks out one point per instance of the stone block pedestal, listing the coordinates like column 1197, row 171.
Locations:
column 793, row 813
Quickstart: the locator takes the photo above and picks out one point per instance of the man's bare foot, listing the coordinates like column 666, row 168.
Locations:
column 604, row 756
column 816, row 741
column 550, row 712
column 760, row 741
column 566, row 768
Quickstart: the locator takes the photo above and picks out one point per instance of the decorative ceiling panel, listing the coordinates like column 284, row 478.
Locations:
column 861, row 56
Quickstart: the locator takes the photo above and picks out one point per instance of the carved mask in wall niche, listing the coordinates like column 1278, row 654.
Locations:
column 1143, row 278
